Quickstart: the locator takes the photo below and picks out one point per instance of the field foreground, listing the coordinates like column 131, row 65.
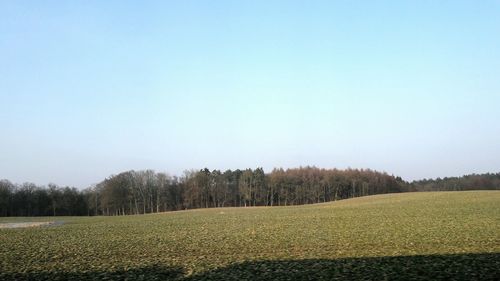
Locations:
column 434, row 235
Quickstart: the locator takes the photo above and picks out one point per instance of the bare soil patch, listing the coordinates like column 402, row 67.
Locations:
column 28, row 224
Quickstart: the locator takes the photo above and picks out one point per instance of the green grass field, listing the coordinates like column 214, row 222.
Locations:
column 434, row 235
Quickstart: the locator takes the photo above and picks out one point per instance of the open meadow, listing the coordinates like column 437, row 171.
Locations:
column 427, row 235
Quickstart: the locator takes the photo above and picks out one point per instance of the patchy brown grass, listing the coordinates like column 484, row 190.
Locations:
column 418, row 233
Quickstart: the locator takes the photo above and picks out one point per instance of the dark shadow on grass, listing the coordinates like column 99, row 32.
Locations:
column 432, row 267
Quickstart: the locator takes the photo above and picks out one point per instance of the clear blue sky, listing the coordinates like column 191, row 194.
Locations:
column 92, row 88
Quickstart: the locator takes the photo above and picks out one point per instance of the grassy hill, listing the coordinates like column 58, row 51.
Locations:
column 437, row 235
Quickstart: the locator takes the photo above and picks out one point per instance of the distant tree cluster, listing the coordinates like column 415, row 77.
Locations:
column 489, row 181
column 29, row 199
column 141, row 192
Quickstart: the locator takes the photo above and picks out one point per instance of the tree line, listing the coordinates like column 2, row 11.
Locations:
column 488, row 181
column 29, row 199
column 142, row 192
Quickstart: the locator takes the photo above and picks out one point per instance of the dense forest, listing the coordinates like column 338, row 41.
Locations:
column 141, row 192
